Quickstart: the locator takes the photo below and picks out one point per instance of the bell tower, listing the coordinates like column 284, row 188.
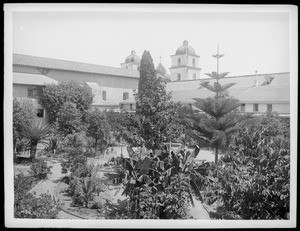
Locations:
column 185, row 64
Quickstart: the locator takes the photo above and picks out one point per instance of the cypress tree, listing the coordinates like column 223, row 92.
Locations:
column 157, row 114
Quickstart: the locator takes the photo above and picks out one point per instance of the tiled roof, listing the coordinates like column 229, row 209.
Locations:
column 34, row 61
column 128, row 101
column 241, row 81
column 101, row 102
column 266, row 94
column 32, row 79
column 93, row 85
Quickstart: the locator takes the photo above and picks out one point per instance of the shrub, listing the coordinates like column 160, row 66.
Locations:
column 160, row 187
column 24, row 111
column 75, row 147
column 30, row 206
column 27, row 205
column 40, row 169
column 55, row 95
column 69, row 119
column 177, row 199
column 84, row 185
column 22, row 184
column 253, row 180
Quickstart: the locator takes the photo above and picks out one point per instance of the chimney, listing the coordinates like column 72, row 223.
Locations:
column 256, row 80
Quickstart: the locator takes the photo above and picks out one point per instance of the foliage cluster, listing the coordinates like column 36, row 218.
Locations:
column 69, row 119
column 33, row 207
column 156, row 118
column 253, row 179
column 27, row 205
column 55, row 95
column 98, row 128
column 160, row 187
column 75, row 147
column 83, row 188
column 24, row 111
column 40, row 169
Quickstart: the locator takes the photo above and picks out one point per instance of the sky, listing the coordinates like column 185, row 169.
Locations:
column 251, row 41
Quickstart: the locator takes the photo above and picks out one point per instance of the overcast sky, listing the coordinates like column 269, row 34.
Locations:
column 250, row 40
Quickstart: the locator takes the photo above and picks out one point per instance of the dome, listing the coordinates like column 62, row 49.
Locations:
column 133, row 58
column 185, row 49
column 161, row 69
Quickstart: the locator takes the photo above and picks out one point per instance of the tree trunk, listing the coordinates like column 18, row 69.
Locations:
column 96, row 144
column 216, row 155
column 33, row 149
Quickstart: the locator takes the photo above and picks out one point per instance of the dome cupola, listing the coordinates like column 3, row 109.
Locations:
column 185, row 49
column 133, row 58
column 161, row 69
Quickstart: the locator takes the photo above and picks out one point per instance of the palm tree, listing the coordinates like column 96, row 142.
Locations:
column 36, row 133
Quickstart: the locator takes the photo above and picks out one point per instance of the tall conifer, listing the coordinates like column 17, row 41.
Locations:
column 156, row 113
column 220, row 120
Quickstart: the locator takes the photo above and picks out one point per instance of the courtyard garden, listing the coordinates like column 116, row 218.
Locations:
column 165, row 161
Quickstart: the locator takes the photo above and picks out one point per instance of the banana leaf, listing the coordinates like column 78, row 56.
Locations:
column 145, row 165
column 145, row 179
column 196, row 190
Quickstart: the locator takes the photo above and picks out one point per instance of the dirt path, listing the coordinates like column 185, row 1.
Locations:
column 48, row 186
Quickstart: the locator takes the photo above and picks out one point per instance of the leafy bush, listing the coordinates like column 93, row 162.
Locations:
column 27, row 205
column 75, row 147
column 253, row 179
column 69, row 119
column 24, row 111
column 55, row 95
column 177, row 199
column 40, row 169
column 159, row 187
column 22, row 184
column 84, row 185
column 98, row 128
column 30, row 206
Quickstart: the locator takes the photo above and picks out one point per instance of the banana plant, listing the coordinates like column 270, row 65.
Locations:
column 158, row 173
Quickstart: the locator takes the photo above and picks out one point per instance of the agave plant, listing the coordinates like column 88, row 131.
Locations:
column 37, row 132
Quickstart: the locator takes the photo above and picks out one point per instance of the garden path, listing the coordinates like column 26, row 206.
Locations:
column 48, row 186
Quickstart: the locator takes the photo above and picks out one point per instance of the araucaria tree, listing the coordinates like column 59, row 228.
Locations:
column 155, row 112
column 220, row 119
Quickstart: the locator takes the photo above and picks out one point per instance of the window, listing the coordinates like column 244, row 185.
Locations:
column 194, row 62
column 32, row 93
column 131, row 106
column 125, row 95
column 104, row 95
column 194, row 76
column 178, row 77
column 269, row 107
column 179, row 62
column 255, row 107
column 243, row 107
column 40, row 113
